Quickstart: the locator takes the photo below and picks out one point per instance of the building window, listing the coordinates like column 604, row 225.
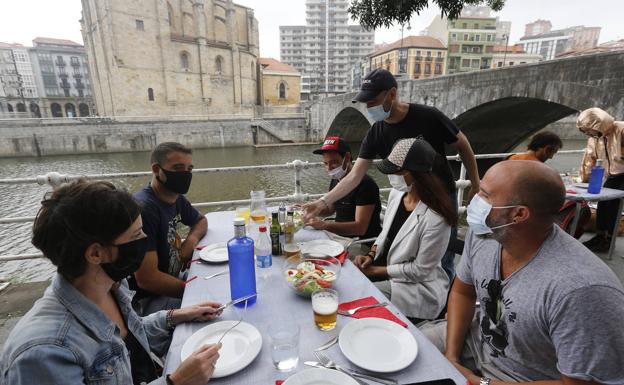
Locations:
column 66, row 91
column 427, row 68
column 465, row 63
column 476, row 26
column 477, row 37
column 219, row 65
column 465, row 37
column 439, row 54
column 417, row 69
column 150, row 94
column 184, row 61
column 282, row 90
column 499, row 64
column 139, row 25
column 453, row 37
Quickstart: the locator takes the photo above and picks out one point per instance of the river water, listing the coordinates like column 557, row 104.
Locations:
column 24, row 199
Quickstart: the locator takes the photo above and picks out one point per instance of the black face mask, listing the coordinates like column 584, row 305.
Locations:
column 177, row 181
column 129, row 259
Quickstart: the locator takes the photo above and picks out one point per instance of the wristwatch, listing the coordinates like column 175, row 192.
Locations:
column 485, row 381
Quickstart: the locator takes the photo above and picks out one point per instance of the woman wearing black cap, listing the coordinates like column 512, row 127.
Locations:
column 405, row 260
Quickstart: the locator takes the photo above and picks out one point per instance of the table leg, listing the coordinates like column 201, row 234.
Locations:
column 575, row 220
column 616, row 229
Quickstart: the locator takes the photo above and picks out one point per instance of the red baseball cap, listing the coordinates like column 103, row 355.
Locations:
column 333, row 143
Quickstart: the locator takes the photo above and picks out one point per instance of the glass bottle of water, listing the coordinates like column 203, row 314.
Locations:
column 241, row 263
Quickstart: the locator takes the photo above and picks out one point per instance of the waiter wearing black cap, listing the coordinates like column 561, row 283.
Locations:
column 395, row 120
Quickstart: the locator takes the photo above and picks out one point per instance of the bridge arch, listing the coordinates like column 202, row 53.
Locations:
column 500, row 125
column 350, row 124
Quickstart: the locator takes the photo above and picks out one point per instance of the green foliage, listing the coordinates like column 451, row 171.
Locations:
column 377, row 13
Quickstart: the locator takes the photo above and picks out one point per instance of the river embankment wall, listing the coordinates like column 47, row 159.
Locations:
column 65, row 137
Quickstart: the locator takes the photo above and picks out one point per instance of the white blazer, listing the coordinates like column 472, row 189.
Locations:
column 419, row 283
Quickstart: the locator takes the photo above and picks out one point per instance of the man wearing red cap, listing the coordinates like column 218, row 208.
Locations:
column 357, row 213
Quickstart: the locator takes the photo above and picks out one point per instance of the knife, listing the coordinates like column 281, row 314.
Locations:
column 353, row 373
column 235, row 301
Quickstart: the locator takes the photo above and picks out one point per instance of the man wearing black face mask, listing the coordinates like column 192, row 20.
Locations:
column 157, row 281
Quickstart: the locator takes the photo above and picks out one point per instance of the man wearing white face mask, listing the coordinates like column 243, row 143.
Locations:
column 395, row 120
column 357, row 213
column 549, row 310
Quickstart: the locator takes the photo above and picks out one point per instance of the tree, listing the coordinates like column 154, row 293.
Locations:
column 377, row 13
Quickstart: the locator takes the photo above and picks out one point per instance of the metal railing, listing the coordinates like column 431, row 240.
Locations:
column 54, row 179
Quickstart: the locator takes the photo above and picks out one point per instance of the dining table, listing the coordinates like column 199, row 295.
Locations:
column 277, row 303
column 578, row 193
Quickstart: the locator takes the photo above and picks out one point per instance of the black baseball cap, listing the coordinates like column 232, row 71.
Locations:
column 376, row 81
column 410, row 154
column 333, row 143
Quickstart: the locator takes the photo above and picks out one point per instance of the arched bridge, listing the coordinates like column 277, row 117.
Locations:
column 496, row 108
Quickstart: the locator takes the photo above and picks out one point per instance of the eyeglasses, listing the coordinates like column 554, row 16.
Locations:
column 495, row 309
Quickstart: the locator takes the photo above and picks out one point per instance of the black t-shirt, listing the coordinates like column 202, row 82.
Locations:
column 141, row 364
column 423, row 122
column 366, row 193
column 399, row 219
column 160, row 224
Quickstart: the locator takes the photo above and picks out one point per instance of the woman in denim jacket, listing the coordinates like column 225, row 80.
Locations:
column 84, row 330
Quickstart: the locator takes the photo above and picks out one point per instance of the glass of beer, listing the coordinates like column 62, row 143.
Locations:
column 292, row 250
column 325, row 308
column 243, row 212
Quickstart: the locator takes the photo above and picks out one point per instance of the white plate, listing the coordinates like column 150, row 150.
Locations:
column 240, row 346
column 322, row 247
column 217, row 252
column 318, row 376
column 378, row 345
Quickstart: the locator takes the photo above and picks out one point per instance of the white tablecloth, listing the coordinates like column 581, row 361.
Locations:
column 276, row 303
column 581, row 193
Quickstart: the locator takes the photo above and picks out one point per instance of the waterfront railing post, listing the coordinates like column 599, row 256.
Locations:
column 298, row 165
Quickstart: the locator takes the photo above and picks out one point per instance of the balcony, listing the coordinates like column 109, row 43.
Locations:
column 65, row 85
column 439, row 59
column 60, row 63
column 79, row 85
column 75, row 63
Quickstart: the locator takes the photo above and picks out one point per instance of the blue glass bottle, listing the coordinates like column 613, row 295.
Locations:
column 595, row 178
column 241, row 262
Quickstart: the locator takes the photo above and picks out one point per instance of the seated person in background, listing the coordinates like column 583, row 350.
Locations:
column 543, row 146
column 549, row 310
column 357, row 213
column 405, row 260
column 84, row 330
column 164, row 207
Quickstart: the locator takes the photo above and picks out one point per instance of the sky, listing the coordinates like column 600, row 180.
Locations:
column 23, row 20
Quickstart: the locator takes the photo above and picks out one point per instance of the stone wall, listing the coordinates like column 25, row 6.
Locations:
column 27, row 139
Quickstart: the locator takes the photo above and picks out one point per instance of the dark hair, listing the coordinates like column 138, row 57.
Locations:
column 543, row 139
column 78, row 214
column 434, row 194
column 159, row 154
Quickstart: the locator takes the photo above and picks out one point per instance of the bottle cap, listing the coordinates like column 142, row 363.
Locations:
column 263, row 229
column 598, row 162
column 239, row 221
column 274, row 214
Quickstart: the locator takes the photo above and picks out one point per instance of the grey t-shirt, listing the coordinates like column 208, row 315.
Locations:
column 560, row 313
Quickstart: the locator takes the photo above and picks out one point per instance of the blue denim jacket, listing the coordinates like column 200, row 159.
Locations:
column 66, row 339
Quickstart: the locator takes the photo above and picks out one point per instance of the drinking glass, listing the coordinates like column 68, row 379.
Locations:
column 292, row 250
column 284, row 337
column 243, row 212
column 325, row 308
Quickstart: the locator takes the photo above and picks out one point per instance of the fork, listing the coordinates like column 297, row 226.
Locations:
column 328, row 363
column 226, row 271
column 353, row 311
column 235, row 325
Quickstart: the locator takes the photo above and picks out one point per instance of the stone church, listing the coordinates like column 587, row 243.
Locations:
column 171, row 57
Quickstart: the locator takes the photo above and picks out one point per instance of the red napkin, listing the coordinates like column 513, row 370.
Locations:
column 376, row 312
column 279, row 382
column 342, row 257
column 570, row 191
